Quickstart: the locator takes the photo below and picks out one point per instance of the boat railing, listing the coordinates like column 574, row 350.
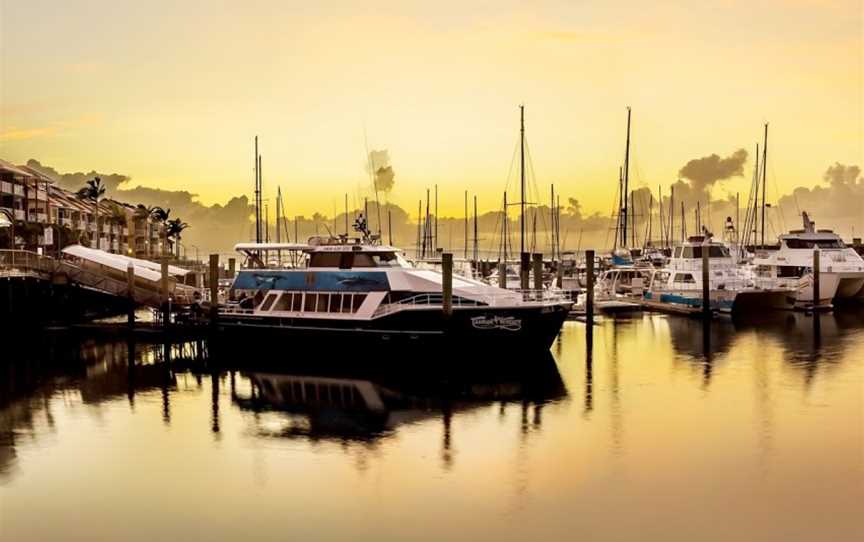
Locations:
column 436, row 299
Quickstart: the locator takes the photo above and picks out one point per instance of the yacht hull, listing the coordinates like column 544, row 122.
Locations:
column 468, row 328
column 849, row 286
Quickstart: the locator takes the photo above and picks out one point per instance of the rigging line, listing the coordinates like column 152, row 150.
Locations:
column 777, row 202
column 533, row 184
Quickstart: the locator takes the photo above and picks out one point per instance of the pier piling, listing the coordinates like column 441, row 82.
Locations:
column 214, row 286
column 524, row 264
column 447, row 283
column 130, row 287
column 816, row 279
column 706, row 279
column 538, row 271
column 589, row 289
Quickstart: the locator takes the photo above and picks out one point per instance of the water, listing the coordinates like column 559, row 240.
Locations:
column 755, row 433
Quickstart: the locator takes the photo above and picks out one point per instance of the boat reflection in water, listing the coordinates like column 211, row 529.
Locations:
column 358, row 405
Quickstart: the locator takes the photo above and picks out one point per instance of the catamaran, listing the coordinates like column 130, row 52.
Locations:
column 841, row 276
column 350, row 290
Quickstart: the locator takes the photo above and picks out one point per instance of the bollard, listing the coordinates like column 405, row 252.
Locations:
column 232, row 267
column 706, row 283
column 214, row 286
column 816, row 279
column 130, row 291
column 502, row 275
column 589, row 288
column 447, row 283
column 538, row 271
column 524, row 264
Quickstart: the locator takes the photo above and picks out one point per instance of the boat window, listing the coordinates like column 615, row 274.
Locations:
column 678, row 251
column 284, row 302
column 357, row 301
column 297, row 302
column 335, row 302
column 714, row 251
column 810, row 243
column 309, row 306
column 268, row 302
column 346, row 260
column 386, row 259
column 789, row 271
column 684, row 277
column 323, row 302
column 346, row 302
column 362, row 259
column 325, row 259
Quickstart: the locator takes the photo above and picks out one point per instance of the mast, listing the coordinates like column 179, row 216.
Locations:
column 505, row 230
column 419, row 210
column 346, row 215
column 671, row 214
column 466, row 224
column 435, row 237
column 552, row 219
column 764, row 179
column 522, row 178
column 620, row 208
column 626, row 178
column 683, row 224
column 390, row 226
column 256, row 162
column 278, row 205
column 633, row 210
column 476, row 252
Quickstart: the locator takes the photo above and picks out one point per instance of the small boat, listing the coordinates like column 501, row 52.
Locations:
column 349, row 291
column 732, row 288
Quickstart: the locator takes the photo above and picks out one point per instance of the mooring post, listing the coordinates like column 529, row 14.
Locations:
column 538, row 271
column 706, row 283
column 589, row 288
column 816, row 279
column 502, row 275
column 524, row 265
column 130, row 292
column 447, row 283
column 166, row 310
column 214, row 286
column 232, row 267
column 559, row 275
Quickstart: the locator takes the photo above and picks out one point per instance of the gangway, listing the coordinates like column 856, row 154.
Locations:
column 104, row 273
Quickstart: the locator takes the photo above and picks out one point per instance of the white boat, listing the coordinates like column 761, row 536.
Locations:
column 841, row 276
column 350, row 291
column 731, row 287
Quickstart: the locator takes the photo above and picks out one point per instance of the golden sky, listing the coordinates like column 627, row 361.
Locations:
column 172, row 93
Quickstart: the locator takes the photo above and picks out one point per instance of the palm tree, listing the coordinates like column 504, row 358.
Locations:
column 174, row 230
column 161, row 215
column 93, row 190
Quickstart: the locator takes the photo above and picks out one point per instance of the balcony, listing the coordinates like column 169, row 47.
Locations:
column 40, row 195
column 18, row 190
column 19, row 214
column 125, row 230
column 65, row 221
column 5, row 187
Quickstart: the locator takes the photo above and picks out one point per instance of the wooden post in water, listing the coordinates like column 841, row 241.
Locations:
column 706, row 280
column 502, row 275
column 130, row 287
column 447, row 283
column 816, row 279
column 232, row 267
column 524, row 265
column 538, row 271
column 214, row 286
column 166, row 310
column 589, row 288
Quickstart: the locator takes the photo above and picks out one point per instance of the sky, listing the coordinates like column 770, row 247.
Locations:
column 172, row 93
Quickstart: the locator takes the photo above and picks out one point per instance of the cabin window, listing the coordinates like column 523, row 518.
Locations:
column 686, row 278
column 346, row 303
column 309, row 306
column 284, row 302
column 386, row 259
column 346, row 260
column 323, row 300
column 362, row 259
column 678, row 251
column 297, row 302
column 357, row 301
column 789, row 271
column 268, row 302
column 808, row 243
column 335, row 302
column 325, row 259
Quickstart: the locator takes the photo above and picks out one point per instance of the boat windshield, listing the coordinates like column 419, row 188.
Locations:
column 348, row 260
column 714, row 251
column 814, row 243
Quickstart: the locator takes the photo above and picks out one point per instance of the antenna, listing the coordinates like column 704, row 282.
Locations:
column 626, row 177
column 522, row 178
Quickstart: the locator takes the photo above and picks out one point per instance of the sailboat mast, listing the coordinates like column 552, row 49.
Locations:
column 466, row 224
column 626, row 178
column 278, row 206
column 257, row 195
column 522, row 178
column 764, row 179
column 476, row 254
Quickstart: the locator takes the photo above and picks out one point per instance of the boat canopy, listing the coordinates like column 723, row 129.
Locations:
column 256, row 247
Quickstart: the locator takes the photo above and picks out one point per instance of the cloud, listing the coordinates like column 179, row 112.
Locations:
column 704, row 172
column 379, row 163
column 15, row 134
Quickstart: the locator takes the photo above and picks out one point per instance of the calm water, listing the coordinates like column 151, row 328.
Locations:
column 754, row 433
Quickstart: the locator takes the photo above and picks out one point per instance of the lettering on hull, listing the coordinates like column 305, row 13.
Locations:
column 508, row 323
